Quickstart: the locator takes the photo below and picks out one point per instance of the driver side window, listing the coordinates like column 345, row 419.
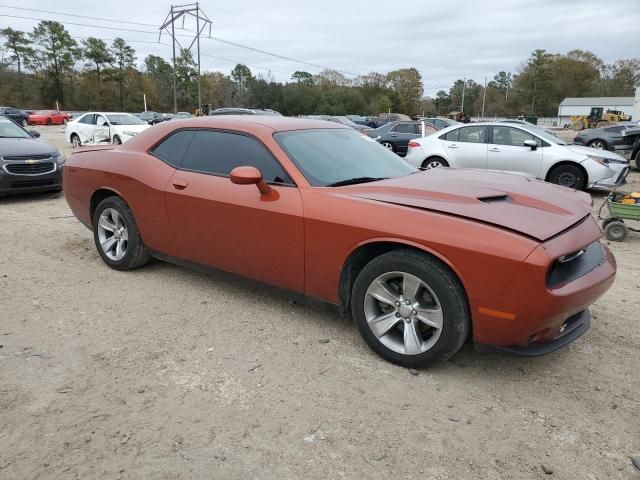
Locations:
column 512, row 137
column 101, row 121
column 89, row 119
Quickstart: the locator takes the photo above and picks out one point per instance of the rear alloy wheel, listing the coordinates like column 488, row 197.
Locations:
column 568, row 175
column 75, row 141
column 597, row 144
column 117, row 237
column 410, row 309
column 388, row 146
column 435, row 162
column 616, row 231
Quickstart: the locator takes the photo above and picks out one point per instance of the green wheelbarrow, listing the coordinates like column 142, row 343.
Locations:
column 613, row 224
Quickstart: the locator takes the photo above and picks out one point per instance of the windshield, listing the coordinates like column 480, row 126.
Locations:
column 8, row 129
column 42, row 112
column 122, row 119
column 346, row 121
column 335, row 155
column 549, row 137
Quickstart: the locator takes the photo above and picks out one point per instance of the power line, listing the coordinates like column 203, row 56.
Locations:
column 221, row 40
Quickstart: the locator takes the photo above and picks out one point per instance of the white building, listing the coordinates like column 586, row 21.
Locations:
column 582, row 106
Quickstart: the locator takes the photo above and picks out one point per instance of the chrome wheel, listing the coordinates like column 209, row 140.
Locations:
column 403, row 313
column 433, row 164
column 75, row 141
column 387, row 145
column 113, row 234
column 597, row 144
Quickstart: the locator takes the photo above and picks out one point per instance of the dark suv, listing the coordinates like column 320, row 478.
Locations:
column 19, row 116
column 27, row 164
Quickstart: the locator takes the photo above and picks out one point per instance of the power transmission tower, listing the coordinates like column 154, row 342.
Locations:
column 202, row 21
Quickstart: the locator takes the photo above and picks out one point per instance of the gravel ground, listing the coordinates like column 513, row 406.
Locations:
column 165, row 373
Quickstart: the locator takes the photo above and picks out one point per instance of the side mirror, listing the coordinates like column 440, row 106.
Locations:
column 531, row 144
column 34, row 134
column 249, row 176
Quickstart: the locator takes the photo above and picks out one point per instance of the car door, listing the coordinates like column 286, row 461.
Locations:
column 507, row 151
column 84, row 127
column 101, row 130
column 400, row 134
column 466, row 147
column 234, row 227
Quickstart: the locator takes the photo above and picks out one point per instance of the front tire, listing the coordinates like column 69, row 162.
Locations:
column 434, row 162
column 410, row 308
column 117, row 237
column 116, row 140
column 568, row 175
column 75, row 141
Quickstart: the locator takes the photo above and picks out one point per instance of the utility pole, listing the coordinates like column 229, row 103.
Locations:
column 484, row 96
column 202, row 21
column 464, row 86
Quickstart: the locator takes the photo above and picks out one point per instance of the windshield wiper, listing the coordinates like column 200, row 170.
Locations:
column 354, row 181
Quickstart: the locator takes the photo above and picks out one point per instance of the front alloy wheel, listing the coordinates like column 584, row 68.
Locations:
column 403, row 313
column 410, row 308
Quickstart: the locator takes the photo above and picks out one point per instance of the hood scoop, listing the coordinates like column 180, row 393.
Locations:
column 496, row 199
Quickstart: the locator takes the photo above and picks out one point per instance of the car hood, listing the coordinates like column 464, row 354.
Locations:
column 132, row 128
column 25, row 146
column 594, row 151
column 529, row 207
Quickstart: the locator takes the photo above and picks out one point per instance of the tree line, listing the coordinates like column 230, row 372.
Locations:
column 47, row 65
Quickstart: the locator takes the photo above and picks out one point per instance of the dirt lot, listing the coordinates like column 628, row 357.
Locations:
column 164, row 373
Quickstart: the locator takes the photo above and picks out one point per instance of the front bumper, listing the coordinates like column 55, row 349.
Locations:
column 13, row 184
column 618, row 178
column 574, row 327
column 537, row 313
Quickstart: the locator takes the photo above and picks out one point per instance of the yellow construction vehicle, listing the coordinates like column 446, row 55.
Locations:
column 597, row 118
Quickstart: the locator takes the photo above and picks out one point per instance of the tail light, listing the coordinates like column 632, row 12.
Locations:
column 414, row 144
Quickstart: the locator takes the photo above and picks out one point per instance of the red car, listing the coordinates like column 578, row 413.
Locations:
column 48, row 117
column 422, row 260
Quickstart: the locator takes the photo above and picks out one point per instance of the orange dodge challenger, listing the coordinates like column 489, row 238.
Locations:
column 423, row 260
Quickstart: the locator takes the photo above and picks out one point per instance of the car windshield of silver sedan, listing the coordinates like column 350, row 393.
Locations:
column 336, row 157
column 8, row 129
column 125, row 120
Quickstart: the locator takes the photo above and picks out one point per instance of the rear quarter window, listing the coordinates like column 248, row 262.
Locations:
column 171, row 149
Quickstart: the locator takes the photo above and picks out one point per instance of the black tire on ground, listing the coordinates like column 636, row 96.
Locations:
column 598, row 144
column 434, row 162
column 445, row 285
column 616, row 231
column 75, row 136
column 389, row 146
column 568, row 175
column 48, row 121
column 137, row 253
column 116, row 140
column 607, row 221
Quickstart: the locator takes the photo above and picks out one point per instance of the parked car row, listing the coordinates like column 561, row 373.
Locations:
column 39, row 117
column 623, row 137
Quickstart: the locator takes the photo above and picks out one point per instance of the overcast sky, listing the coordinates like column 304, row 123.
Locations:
column 445, row 39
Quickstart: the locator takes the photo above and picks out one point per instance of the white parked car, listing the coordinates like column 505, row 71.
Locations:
column 103, row 127
column 521, row 149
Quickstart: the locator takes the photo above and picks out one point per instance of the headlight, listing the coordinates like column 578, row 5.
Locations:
column 605, row 162
column 129, row 133
column 60, row 157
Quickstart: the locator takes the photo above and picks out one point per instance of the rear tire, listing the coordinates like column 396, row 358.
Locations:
column 420, row 315
column 117, row 237
column 116, row 140
column 388, row 146
column 597, row 144
column 616, row 231
column 434, row 162
column 568, row 175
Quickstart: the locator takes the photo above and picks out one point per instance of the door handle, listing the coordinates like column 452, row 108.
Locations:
column 180, row 184
column 494, row 149
column 453, row 146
